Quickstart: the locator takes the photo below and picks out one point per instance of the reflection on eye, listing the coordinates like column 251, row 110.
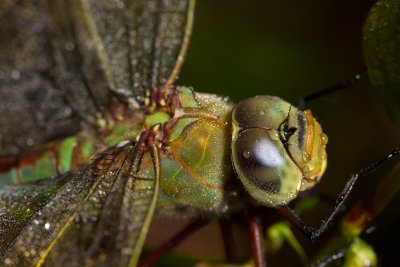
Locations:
column 267, row 154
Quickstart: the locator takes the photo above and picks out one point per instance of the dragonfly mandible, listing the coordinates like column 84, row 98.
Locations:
column 105, row 71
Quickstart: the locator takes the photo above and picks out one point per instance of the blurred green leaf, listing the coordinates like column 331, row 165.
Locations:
column 381, row 40
column 360, row 254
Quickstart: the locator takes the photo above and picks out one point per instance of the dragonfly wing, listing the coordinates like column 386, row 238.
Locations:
column 32, row 110
column 99, row 216
column 138, row 45
column 19, row 203
column 59, row 61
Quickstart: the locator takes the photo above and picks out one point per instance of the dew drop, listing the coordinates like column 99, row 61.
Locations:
column 8, row 261
column 15, row 74
column 324, row 138
column 261, row 112
column 274, row 136
column 246, row 154
column 30, row 142
column 47, row 226
column 303, row 185
column 69, row 46
column 122, row 143
column 120, row 5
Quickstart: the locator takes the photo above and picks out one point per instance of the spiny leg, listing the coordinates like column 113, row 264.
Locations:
column 257, row 241
column 331, row 89
column 313, row 233
column 333, row 258
column 174, row 241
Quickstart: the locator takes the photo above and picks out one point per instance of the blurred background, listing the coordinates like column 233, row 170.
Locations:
column 290, row 49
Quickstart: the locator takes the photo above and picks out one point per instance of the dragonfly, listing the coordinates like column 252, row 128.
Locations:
column 104, row 72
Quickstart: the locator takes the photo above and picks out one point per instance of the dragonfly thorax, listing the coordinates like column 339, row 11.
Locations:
column 277, row 150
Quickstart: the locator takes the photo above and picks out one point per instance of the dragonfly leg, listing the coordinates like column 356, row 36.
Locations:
column 174, row 241
column 257, row 241
column 331, row 89
column 229, row 241
column 337, row 257
column 313, row 233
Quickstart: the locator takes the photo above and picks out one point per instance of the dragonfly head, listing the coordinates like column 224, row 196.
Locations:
column 277, row 150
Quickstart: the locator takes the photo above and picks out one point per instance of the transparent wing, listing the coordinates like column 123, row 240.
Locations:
column 138, row 45
column 32, row 110
column 96, row 216
column 60, row 61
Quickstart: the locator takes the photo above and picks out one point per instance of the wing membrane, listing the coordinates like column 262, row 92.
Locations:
column 19, row 203
column 60, row 60
column 139, row 44
column 95, row 218
column 32, row 110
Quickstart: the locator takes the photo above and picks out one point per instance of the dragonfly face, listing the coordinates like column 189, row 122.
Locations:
column 277, row 150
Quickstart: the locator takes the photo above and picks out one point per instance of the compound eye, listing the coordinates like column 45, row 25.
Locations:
column 264, row 167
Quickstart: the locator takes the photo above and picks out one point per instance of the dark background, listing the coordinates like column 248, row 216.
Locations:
column 290, row 49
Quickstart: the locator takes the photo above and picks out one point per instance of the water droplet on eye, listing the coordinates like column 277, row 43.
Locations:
column 324, row 138
column 274, row 136
column 303, row 185
column 246, row 154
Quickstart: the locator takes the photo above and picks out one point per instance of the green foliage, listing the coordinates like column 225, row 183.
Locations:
column 360, row 254
column 381, row 40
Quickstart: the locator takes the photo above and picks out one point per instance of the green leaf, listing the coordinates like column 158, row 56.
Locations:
column 381, row 40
